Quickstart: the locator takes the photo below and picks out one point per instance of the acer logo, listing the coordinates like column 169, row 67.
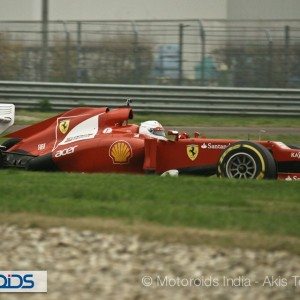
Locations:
column 65, row 151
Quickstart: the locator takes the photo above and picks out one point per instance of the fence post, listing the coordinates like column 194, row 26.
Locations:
column 270, row 59
column 44, row 62
column 78, row 48
column 136, row 53
column 202, row 59
column 286, row 54
column 180, row 56
column 67, row 53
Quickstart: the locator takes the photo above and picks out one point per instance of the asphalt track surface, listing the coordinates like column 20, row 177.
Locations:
column 220, row 131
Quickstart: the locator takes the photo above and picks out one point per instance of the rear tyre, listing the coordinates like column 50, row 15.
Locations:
column 10, row 143
column 42, row 163
column 247, row 160
column 1, row 160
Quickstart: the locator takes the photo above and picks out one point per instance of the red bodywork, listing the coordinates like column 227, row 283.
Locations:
column 99, row 140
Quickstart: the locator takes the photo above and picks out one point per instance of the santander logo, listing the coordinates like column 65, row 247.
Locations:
column 214, row 146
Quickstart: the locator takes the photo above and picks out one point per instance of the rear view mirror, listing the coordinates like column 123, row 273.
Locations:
column 173, row 133
column 7, row 116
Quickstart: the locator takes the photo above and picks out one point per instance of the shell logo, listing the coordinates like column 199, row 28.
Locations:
column 120, row 152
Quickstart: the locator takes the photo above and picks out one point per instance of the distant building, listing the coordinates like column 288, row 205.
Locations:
column 263, row 9
column 155, row 9
column 166, row 61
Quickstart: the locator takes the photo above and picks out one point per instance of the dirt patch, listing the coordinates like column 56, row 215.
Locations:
column 150, row 231
column 87, row 264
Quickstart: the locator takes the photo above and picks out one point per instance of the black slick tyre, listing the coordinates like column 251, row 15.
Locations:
column 1, row 160
column 10, row 143
column 246, row 160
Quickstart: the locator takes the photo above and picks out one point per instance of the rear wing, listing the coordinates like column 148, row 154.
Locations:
column 7, row 116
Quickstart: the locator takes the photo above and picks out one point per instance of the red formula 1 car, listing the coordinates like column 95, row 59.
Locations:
column 101, row 140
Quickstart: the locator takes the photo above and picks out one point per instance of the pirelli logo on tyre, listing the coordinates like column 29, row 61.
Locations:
column 263, row 167
column 228, row 150
column 120, row 152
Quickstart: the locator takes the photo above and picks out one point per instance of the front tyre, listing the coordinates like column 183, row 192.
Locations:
column 1, row 160
column 246, row 160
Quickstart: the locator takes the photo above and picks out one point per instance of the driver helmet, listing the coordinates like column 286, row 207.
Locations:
column 152, row 129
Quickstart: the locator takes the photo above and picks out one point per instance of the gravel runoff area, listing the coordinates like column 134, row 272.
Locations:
column 93, row 265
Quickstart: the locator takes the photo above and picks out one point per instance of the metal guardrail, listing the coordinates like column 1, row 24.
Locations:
column 154, row 99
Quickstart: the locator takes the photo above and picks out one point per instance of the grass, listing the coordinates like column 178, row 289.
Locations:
column 219, row 121
column 266, row 207
column 29, row 117
column 289, row 139
column 223, row 212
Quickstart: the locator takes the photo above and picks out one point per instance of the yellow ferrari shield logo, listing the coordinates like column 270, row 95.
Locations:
column 64, row 126
column 192, row 151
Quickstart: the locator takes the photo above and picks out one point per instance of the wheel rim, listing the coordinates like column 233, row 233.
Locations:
column 241, row 166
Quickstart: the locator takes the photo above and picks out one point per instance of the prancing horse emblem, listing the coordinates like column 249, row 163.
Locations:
column 192, row 151
column 64, row 126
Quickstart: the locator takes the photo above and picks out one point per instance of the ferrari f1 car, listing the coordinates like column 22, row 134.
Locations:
column 88, row 139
